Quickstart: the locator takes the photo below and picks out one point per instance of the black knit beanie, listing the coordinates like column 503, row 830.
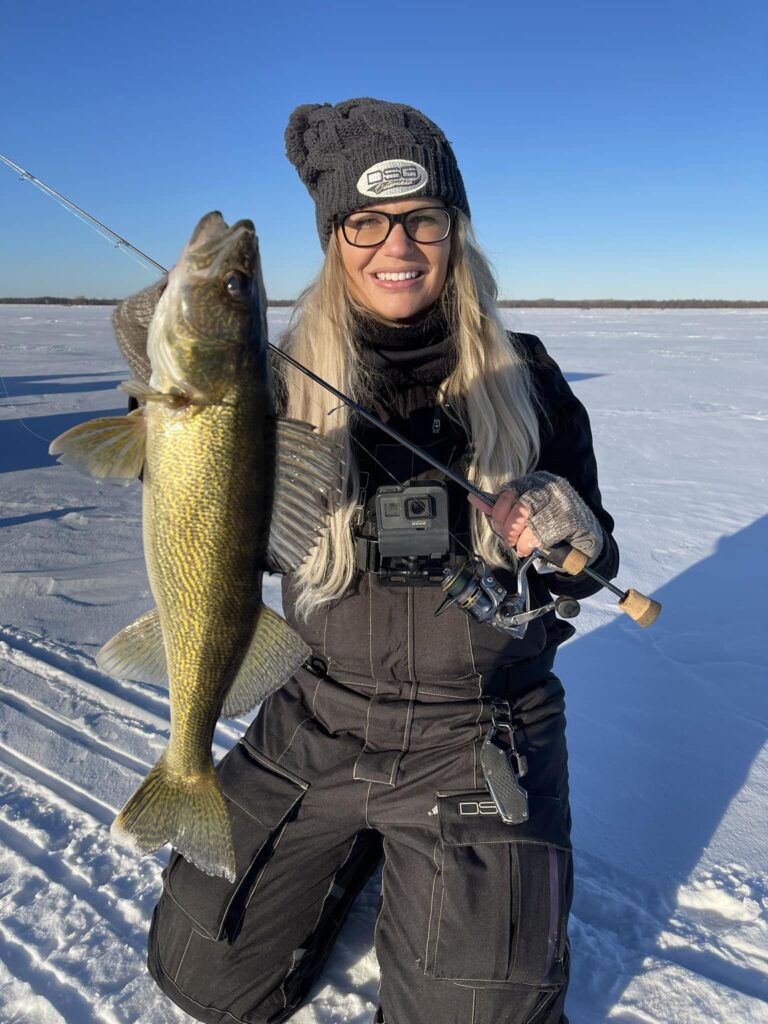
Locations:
column 360, row 152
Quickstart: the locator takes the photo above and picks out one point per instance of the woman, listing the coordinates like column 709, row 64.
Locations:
column 376, row 746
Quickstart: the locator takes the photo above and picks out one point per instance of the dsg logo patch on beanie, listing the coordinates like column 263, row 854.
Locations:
column 392, row 178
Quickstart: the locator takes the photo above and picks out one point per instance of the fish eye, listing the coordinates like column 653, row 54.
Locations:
column 236, row 285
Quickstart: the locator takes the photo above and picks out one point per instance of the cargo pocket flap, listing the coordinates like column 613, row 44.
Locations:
column 472, row 817
column 261, row 797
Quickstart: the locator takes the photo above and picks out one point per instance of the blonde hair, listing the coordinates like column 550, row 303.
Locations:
column 488, row 393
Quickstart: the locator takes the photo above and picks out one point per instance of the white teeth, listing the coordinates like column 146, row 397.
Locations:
column 404, row 275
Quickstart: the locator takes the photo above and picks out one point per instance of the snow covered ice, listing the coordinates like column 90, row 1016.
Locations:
column 667, row 726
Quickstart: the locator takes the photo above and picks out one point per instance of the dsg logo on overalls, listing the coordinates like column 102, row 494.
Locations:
column 392, row 178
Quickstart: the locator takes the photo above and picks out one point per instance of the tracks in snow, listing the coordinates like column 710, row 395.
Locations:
column 75, row 905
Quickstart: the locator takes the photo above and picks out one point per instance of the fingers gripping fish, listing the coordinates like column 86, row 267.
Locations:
column 229, row 491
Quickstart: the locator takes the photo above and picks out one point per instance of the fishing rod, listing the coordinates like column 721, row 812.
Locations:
column 637, row 606
column 101, row 229
column 123, row 243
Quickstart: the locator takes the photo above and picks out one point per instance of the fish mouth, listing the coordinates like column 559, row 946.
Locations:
column 214, row 246
column 212, row 228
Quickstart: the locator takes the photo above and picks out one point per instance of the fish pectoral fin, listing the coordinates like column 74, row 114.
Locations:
column 108, row 448
column 136, row 652
column 187, row 811
column 307, row 489
column 274, row 654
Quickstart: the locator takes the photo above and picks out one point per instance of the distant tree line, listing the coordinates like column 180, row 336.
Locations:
column 635, row 303
column 58, row 300
column 81, row 300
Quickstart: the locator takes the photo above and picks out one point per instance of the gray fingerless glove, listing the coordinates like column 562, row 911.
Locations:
column 558, row 513
column 131, row 321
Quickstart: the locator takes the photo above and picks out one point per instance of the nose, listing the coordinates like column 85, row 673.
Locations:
column 397, row 243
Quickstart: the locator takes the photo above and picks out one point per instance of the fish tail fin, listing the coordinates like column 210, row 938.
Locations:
column 187, row 812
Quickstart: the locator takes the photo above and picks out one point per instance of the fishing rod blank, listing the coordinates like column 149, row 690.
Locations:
column 101, row 229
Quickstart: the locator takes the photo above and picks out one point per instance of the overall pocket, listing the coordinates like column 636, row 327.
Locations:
column 261, row 798
column 502, row 892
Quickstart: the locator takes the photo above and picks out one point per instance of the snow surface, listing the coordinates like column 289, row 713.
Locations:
column 667, row 726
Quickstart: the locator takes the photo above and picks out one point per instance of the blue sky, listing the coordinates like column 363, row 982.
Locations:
column 609, row 149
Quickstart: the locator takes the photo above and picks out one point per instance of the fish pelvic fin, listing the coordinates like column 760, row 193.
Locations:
column 107, row 448
column 307, row 490
column 188, row 812
column 136, row 652
column 274, row 654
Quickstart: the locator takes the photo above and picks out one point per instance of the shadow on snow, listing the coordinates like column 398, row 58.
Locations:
column 48, row 384
column 664, row 726
column 24, row 442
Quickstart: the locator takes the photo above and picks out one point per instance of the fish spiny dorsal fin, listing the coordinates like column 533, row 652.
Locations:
column 307, row 489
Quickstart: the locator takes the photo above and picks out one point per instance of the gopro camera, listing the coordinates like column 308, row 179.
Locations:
column 412, row 520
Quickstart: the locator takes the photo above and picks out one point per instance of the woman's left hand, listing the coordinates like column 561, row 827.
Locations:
column 541, row 509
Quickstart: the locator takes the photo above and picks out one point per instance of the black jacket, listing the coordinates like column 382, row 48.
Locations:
column 375, row 631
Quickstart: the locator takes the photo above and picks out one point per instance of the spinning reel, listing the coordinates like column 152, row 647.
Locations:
column 474, row 588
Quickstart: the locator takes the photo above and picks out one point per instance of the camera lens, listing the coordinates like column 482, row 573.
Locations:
column 417, row 508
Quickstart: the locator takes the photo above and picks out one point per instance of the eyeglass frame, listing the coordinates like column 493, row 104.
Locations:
column 398, row 218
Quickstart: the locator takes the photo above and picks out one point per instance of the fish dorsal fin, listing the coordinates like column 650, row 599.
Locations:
column 307, row 488
column 136, row 652
column 274, row 654
column 108, row 448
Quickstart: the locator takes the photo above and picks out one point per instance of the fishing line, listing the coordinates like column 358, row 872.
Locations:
column 19, row 417
column 101, row 229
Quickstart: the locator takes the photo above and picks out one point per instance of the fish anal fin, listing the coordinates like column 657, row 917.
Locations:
column 136, row 652
column 107, row 448
column 276, row 651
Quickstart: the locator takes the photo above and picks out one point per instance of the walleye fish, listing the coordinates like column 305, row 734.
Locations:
column 229, row 491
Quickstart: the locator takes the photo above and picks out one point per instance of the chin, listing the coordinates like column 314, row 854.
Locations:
column 398, row 309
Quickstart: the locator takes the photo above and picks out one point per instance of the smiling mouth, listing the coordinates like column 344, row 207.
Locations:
column 402, row 275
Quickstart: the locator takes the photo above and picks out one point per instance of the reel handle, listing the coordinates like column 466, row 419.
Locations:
column 569, row 559
column 641, row 609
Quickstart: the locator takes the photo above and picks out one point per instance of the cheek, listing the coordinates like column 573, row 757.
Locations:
column 441, row 268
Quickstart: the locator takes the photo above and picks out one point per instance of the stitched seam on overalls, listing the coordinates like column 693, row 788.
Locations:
column 367, row 798
column 314, row 697
column 479, row 729
column 355, row 776
column 471, row 647
column 183, row 957
column 295, row 733
column 442, row 696
column 380, row 911
column 331, row 884
column 406, row 731
column 204, row 1006
column 370, row 629
column 410, row 625
column 431, row 905
column 325, row 631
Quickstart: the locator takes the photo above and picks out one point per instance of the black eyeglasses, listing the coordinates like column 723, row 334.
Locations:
column 366, row 228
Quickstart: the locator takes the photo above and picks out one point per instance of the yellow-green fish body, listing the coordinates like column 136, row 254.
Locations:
column 229, row 491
